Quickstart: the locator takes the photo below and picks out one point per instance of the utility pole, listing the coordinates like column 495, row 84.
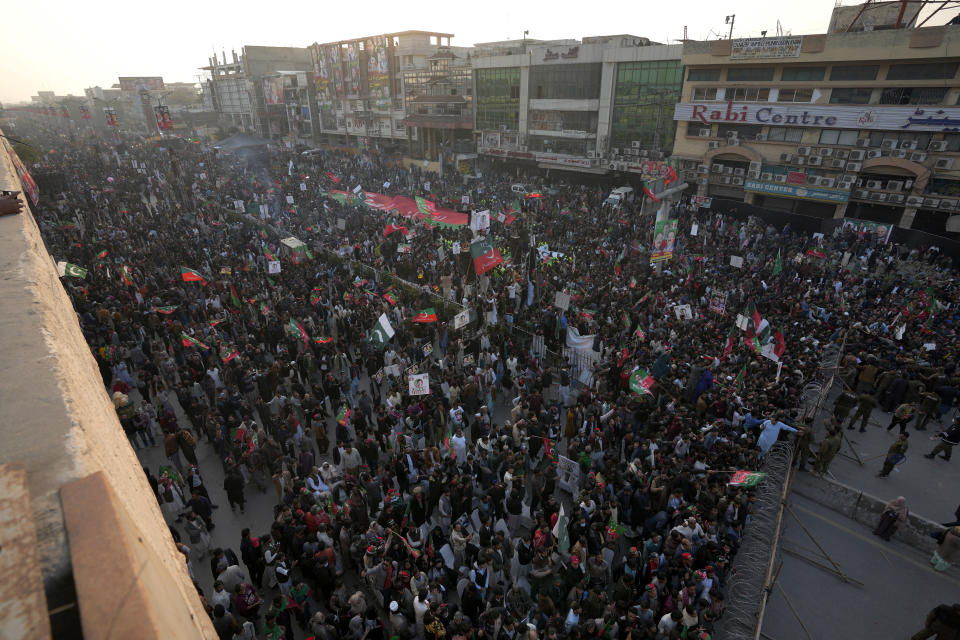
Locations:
column 730, row 20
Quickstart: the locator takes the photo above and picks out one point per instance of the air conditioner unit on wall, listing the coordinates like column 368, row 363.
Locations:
column 914, row 201
column 703, row 169
column 733, row 142
column 874, row 184
column 766, row 177
column 908, row 144
column 948, row 204
column 896, row 198
column 827, row 182
column 843, row 154
column 739, row 171
column 878, row 196
column 737, row 181
column 755, row 166
column 726, row 179
column 702, row 180
column 918, row 156
column 785, row 157
column 894, row 185
column 635, row 144
column 825, row 152
column 874, row 153
column 799, row 161
column 857, row 154
column 889, row 143
column 813, row 180
column 591, row 154
column 815, row 161
column 716, row 167
column 863, row 142
column 713, row 145
column 898, row 153
column 860, row 194
column 803, row 151
column 753, row 175
column 837, row 163
column 937, row 145
column 943, row 163
column 931, row 203
column 780, row 177
column 854, row 166
column 728, row 170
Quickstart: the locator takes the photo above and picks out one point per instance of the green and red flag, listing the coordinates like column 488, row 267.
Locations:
column 228, row 353
column 323, row 340
column 165, row 310
column 649, row 194
column 343, row 415
column 234, row 298
column 777, row 265
column 332, row 176
column 780, row 344
column 102, row 255
column 389, row 298
column 728, row 348
column 188, row 341
column 485, row 256
column 298, row 329
column 315, row 298
column 640, row 382
column 640, row 333
column 264, row 308
column 424, row 206
column 392, row 228
column 744, row 478
column 816, row 254
column 125, row 274
column 427, row 315
column 269, row 255
column 190, row 275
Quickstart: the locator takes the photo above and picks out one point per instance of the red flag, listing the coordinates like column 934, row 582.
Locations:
column 780, row 345
column 649, row 194
column 390, row 228
column 332, row 176
column 189, row 275
column 728, row 348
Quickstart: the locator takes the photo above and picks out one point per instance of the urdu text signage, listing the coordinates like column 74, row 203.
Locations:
column 754, row 48
column 795, row 191
column 794, row 115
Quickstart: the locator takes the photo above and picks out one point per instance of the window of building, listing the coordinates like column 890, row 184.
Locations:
column 498, row 98
column 639, row 90
column 854, row 72
column 913, row 95
column 742, row 131
column 785, row 134
column 877, row 138
column 544, row 120
column 838, row 136
column 953, row 142
column 704, row 93
column 748, row 94
column 749, row 74
column 923, row 71
column 943, row 187
column 795, row 95
column 859, row 95
column 802, row 74
column 565, row 81
column 703, row 75
column 695, row 129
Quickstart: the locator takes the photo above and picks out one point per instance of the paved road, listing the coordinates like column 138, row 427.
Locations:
column 899, row 585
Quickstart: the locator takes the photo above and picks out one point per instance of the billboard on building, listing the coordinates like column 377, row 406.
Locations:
column 775, row 47
column 273, row 90
column 141, row 83
column 321, row 74
column 378, row 72
column 111, row 116
column 336, row 68
column 352, row 64
column 164, row 120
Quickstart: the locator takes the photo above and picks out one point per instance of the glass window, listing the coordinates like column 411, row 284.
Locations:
column 800, row 74
column 640, row 88
column 913, row 95
column 704, row 93
column 795, row 95
column 785, row 134
column 749, row 74
column 953, row 142
column 498, row 98
column 854, row 72
column 703, row 75
column 923, row 71
column 742, row 131
column 748, row 94
column 851, row 96
column 565, row 81
column 838, row 136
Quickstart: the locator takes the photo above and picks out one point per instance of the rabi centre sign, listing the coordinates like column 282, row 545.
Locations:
column 834, row 117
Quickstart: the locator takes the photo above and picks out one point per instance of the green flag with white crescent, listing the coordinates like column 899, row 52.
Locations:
column 382, row 332
column 66, row 269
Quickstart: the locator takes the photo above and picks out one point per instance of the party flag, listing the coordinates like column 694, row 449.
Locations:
column 189, row 275
column 188, row 341
column 427, row 315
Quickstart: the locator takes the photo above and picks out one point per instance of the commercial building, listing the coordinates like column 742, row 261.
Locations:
column 408, row 90
column 598, row 105
column 860, row 123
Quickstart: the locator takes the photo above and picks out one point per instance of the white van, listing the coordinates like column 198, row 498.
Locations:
column 618, row 195
column 519, row 188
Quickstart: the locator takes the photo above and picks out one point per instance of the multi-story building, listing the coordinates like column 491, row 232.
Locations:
column 226, row 91
column 362, row 95
column 858, row 122
column 599, row 105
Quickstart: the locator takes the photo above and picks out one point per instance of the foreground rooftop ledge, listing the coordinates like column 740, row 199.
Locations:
column 23, row 603
column 124, row 588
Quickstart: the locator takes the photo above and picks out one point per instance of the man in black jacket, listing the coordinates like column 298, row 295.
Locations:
column 942, row 621
column 948, row 438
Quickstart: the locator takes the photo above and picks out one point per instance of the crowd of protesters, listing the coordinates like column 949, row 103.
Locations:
column 539, row 489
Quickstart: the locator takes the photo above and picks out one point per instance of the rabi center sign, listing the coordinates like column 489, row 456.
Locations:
column 834, row 117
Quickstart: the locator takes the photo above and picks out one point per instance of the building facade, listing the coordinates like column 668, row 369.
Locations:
column 600, row 105
column 227, row 92
column 861, row 124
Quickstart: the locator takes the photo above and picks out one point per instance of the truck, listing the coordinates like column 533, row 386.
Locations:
column 618, row 195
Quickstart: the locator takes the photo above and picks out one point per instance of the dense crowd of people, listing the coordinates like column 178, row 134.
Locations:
column 548, row 485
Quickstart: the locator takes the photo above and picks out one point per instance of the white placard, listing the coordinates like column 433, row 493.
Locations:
column 683, row 312
column 303, row 186
column 289, row 199
column 767, row 352
column 898, row 332
column 419, row 384
column 930, row 346
column 238, row 205
column 562, row 300
column 694, row 229
column 273, row 266
column 426, row 186
column 386, row 185
column 456, row 248
column 264, row 211
column 465, row 200
column 462, row 319
column 341, row 224
column 357, row 189
column 736, row 261
column 568, row 474
column 742, row 322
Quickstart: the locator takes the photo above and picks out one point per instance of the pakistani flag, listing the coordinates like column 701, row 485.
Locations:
column 743, row 478
column 66, row 269
column 382, row 332
column 560, row 533
column 640, row 382
column 485, row 256
column 777, row 265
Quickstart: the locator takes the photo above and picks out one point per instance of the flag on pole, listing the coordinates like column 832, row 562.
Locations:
column 743, row 478
column 125, row 274
column 234, row 298
column 649, row 194
column 777, row 265
column 190, row 341
column 323, row 340
column 190, row 275
column 425, row 206
column 780, row 344
column 560, row 533
column 165, row 310
column 102, row 255
column 332, row 176
column 343, row 415
column 228, row 353
column 66, row 269
column 427, row 315
column 298, row 330
column 382, row 332
column 485, row 256
column 728, row 348
column 264, row 308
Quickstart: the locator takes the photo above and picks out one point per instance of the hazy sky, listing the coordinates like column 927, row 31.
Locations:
column 74, row 44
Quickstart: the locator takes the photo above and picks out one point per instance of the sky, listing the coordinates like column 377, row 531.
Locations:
column 72, row 45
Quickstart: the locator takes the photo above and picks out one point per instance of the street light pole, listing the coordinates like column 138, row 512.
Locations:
column 730, row 20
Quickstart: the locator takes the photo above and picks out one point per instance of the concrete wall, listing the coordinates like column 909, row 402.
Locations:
column 59, row 423
column 865, row 508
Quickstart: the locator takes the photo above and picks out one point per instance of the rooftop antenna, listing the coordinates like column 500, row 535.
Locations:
column 730, row 20
column 684, row 32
